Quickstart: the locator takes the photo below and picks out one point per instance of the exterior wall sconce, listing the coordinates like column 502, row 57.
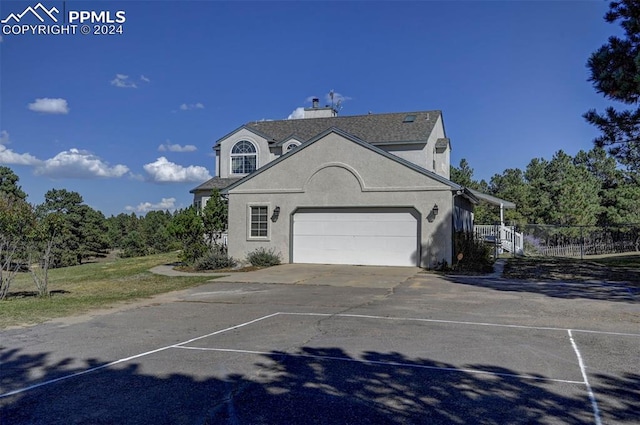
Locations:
column 435, row 210
column 276, row 214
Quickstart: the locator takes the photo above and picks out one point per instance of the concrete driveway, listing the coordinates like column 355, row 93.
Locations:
column 326, row 274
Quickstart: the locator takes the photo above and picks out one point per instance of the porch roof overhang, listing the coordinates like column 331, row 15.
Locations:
column 493, row 200
column 468, row 193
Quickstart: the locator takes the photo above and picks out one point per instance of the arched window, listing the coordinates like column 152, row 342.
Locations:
column 244, row 158
column 291, row 147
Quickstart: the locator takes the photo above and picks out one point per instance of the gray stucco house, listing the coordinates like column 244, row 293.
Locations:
column 371, row 189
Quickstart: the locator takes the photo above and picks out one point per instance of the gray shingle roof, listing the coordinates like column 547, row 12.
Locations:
column 374, row 128
column 215, row 183
column 442, row 143
column 454, row 186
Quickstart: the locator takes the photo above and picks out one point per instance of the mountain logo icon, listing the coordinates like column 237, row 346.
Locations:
column 38, row 11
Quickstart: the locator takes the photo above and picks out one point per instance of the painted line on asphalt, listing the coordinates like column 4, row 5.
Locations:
column 457, row 322
column 76, row 374
column 395, row 364
column 126, row 359
column 181, row 344
column 592, row 397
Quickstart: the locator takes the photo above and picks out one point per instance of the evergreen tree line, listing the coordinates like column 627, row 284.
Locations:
column 589, row 189
column 64, row 231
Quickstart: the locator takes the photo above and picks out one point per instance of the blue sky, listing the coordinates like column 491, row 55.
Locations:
column 129, row 120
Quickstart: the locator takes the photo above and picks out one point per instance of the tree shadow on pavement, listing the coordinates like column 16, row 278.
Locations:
column 310, row 386
column 617, row 292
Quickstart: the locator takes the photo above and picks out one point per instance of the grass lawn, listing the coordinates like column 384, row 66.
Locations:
column 614, row 268
column 89, row 286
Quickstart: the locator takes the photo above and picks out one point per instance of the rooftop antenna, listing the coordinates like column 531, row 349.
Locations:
column 337, row 106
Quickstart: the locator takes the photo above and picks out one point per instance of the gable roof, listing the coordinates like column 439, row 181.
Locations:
column 377, row 129
column 351, row 137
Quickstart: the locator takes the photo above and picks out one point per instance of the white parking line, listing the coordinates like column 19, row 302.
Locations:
column 395, row 364
column 126, row 359
column 592, row 397
column 182, row 346
column 456, row 322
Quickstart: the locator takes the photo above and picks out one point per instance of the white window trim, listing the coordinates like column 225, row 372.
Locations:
column 232, row 155
column 287, row 147
column 253, row 205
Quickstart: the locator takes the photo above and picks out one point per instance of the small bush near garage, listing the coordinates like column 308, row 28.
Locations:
column 215, row 259
column 262, row 257
column 471, row 255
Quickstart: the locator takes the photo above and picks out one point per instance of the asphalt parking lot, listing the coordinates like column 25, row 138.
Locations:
column 348, row 345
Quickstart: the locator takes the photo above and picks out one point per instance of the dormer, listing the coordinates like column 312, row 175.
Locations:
column 241, row 152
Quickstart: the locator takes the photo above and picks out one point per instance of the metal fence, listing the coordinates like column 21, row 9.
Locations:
column 579, row 241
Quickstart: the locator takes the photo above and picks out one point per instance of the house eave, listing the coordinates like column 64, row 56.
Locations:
column 216, row 145
column 494, row 200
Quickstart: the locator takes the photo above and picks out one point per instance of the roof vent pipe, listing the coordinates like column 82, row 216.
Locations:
column 314, row 102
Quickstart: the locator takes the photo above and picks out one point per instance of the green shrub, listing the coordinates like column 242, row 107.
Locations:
column 471, row 254
column 215, row 259
column 262, row 257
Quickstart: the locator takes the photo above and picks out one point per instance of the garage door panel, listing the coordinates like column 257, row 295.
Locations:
column 355, row 237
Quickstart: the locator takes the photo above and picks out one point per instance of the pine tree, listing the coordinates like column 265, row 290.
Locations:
column 615, row 73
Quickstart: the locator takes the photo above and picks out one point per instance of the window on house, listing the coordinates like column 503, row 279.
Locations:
column 259, row 222
column 244, row 158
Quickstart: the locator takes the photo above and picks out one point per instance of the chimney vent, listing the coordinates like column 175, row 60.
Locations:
column 314, row 102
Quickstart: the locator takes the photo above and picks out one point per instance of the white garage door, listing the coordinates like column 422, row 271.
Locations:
column 378, row 237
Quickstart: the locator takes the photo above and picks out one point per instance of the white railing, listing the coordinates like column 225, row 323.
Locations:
column 505, row 237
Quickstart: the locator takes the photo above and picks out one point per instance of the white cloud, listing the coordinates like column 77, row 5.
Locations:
column 190, row 106
column 75, row 163
column 297, row 114
column 137, row 177
column 164, row 171
column 8, row 156
column 49, row 106
column 337, row 98
column 145, row 79
column 124, row 82
column 176, row 147
column 164, row 204
column 337, row 101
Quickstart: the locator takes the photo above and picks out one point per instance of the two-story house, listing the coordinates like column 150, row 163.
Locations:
column 370, row 189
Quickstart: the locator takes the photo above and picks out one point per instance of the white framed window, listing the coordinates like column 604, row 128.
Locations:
column 258, row 226
column 291, row 146
column 244, row 158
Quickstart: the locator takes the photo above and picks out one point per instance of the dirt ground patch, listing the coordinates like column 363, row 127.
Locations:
column 624, row 268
